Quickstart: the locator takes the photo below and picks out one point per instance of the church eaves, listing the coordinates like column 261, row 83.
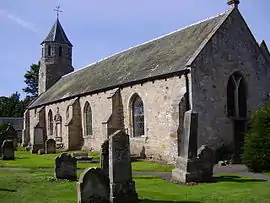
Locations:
column 163, row 57
column 57, row 34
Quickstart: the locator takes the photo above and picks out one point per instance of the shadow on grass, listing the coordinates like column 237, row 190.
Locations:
column 164, row 201
column 237, row 179
column 6, row 190
column 146, row 177
column 18, row 157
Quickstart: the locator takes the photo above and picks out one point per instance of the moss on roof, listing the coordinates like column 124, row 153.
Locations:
column 165, row 55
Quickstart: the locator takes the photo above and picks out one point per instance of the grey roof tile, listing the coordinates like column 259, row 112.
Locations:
column 57, row 34
column 165, row 55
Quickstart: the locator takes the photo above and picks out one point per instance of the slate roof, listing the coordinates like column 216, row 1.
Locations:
column 57, row 34
column 168, row 54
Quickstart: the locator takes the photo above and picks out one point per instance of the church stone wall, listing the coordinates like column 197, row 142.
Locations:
column 161, row 100
column 231, row 49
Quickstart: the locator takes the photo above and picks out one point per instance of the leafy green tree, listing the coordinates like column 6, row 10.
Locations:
column 256, row 153
column 31, row 81
column 12, row 106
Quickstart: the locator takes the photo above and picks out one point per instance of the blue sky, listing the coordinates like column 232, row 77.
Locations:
column 98, row 28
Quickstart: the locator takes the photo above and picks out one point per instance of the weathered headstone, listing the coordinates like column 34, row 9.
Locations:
column 205, row 163
column 38, row 142
column 93, row 186
column 66, row 167
column 122, row 187
column 9, row 133
column 185, row 170
column 104, row 157
column 50, row 146
column 7, row 149
column 193, row 165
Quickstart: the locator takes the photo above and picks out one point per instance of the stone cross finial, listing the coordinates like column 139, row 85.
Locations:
column 233, row 3
column 57, row 10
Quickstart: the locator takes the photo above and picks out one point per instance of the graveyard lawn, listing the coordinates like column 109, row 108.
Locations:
column 40, row 187
column 24, row 159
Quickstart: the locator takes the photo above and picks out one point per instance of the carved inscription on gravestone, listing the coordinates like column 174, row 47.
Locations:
column 93, row 186
column 122, row 188
column 66, row 167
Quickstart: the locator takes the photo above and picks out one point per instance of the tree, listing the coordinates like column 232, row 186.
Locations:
column 12, row 106
column 31, row 81
column 257, row 142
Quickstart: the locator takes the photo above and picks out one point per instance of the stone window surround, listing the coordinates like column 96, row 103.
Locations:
column 85, row 135
column 130, row 116
column 50, row 122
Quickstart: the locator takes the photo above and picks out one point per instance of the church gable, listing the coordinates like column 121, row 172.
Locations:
column 164, row 56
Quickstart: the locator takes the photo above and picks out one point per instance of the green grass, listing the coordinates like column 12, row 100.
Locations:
column 267, row 173
column 24, row 159
column 40, row 187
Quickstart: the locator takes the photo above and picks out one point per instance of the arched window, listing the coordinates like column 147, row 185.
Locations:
column 50, row 122
column 137, row 116
column 49, row 50
column 88, row 119
column 67, row 113
column 60, row 51
column 236, row 96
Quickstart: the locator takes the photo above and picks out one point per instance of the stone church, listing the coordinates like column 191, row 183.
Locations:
column 214, row 67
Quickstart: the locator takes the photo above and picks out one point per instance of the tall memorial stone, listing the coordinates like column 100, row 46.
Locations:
column 93, row 187
column 7, row 150
column 122, row 187
column 189, row 166
column 38, row 142
column 66, row 167
column 185, row 170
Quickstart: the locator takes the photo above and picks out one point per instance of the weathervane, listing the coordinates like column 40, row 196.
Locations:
column 57, row 9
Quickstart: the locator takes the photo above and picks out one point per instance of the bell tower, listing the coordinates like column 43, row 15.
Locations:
column 56, row 59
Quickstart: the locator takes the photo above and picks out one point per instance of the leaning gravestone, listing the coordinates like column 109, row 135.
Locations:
column 7, row 149
column 104, row 157
column 66, row 167
column 122, row 187
column 50, row 146
column 93, row 187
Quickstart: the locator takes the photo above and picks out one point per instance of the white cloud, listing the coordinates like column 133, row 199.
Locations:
column 19, row 21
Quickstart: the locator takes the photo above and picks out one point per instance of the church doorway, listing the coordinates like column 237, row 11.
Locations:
column 237, row 111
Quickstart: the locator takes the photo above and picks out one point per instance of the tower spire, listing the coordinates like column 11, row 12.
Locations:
column 233, row 3
column 57, row 10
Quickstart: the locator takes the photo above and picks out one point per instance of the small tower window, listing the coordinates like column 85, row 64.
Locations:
column 49, row 50
column 60, row 51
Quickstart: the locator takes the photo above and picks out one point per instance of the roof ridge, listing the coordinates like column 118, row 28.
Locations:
column 146, row 42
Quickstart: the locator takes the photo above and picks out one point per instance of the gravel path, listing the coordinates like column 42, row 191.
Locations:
column 236, row 169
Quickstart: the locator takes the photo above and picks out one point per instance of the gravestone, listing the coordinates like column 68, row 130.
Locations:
column 66, row 167
column 186, row 170
column 50, row 146
column 7, row 149
column 9, row 133
column 93, row 186
column 193, row 165
column 104, row 157
column 205, row 163
column 122, row 187
column 38, row 142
